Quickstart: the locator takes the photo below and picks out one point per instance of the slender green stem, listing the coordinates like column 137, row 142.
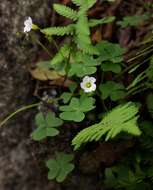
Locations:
column 136, row 92
column 139, row 55
column 18, row 111
column 130, row 67
column 39, row 43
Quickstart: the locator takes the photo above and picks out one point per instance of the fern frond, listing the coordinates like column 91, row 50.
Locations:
column 90, row 3
column 105, row 20
column 59, row 31
column 77, row 2
column 90, row 49
column 62, row 54
column 82, row 38
column 86, row 3
column 121, row 119
column 65, row 11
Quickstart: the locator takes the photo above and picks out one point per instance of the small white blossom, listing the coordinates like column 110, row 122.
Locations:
column 88, row 84
column 28, row 25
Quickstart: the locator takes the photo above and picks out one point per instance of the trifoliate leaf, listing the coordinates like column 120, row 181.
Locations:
column 110, row 52
column 66, row 96
column 113, row 90
column 60, row 167
column 83, row 65
column 46, row 126
column 76, row 109
column 109, row 66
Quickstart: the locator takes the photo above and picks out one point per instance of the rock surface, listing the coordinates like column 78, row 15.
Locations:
column 17, row 168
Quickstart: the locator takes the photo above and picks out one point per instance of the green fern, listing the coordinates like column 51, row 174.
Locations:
column 81, row 28
column 87, row 3
column 77, row 2
column 121, row 119
column 65, row 11
column 82, row 38
column 59, row 31
column 105, row 20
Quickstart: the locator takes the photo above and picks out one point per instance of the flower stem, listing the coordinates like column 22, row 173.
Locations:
column 18, row 111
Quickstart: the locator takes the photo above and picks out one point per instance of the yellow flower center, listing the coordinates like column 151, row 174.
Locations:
column 88, row 84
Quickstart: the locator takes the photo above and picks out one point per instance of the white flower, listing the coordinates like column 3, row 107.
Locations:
column 28, row 25
column 88, row 84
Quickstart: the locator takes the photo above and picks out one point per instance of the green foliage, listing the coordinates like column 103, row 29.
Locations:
column 121, row 119
column 83, row 65
column 109, row 66
column 47, row 126
column 76, row 109
column 59, row 30
column 124, row 177
column 81, row 28
column 60, row 167
column 110, row 52
column 133, row 20
column 113, row 90
column 66, row 96
column 105, row 20
column 150, row 104
column 65, row 11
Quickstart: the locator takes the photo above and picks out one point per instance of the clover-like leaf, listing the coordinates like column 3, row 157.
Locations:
column 113, row 90
column 110, row 52
column 66, row 96
column 76, row 109
column 60, row 167
column 83, row 65
column 47, row 126
column 109, row 66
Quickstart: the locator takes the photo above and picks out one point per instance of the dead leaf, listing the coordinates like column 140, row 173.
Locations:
column 44, row 74
column 97, row 36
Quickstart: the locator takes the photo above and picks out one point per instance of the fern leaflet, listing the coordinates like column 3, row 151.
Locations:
column 121, row 119
column 59, row 31
column 95, row 22
column 86, row 3
column 65, row 11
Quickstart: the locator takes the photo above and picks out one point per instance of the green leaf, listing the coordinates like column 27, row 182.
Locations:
column 110, row 52
column 83, row 65
column 87, row 3
column 52, row 121
column 109, row 66
column 66, row 96
column 54, row 169
column 60, row 167
column 123, row 118
column 76, row 116
column 46, row 126
column 149, row 102
column 76, row 109
column 110, row 179
column 59, row 30
column 133, row 20
column 65, row 11
column 113, row 90
column 105, row 20
column 40, row 119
